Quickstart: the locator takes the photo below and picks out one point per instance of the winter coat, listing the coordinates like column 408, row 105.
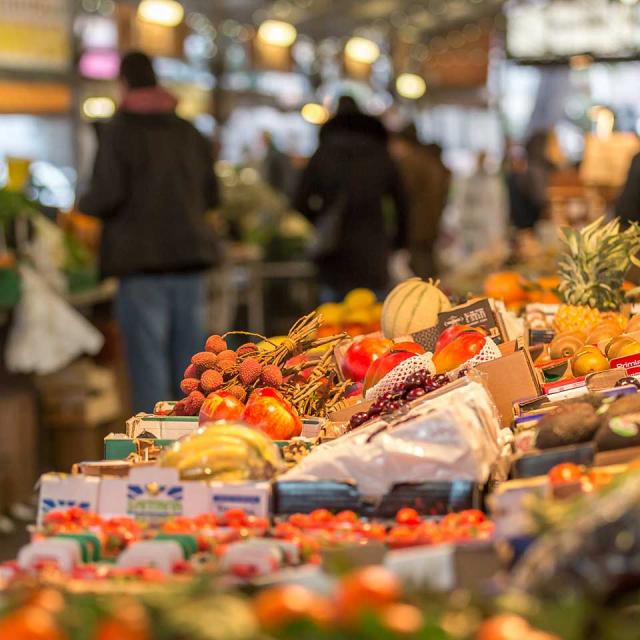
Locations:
column 353, row 171
column 628, row 205
column 152, row 183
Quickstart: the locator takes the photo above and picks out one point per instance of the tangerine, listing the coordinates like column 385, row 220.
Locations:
column 366, row 588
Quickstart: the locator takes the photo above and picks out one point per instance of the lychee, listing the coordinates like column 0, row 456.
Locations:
column 191, row 371
column 193, row 403
column 249, row 371
column 210, row 381
column 227, row 354
column 179, row 408
column 215, row 344
column 271, row 376
column 189, row 384
column 247, row 347
column 238, row 391
column 225, row 364
column 204, row 360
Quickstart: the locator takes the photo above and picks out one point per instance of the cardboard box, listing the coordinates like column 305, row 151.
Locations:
column 510, row 379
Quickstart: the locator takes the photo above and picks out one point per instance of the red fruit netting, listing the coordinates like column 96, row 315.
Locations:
column 396, row 377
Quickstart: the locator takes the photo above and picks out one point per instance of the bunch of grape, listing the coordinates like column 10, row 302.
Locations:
column 418, row 384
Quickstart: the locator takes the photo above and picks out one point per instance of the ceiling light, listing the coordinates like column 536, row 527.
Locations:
column 362, row 50
column 98, row 108
column 314, row 113
column 277, row 33
column 411, row 86
column 167, row 13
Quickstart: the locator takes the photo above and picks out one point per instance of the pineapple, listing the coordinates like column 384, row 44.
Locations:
column 591, row 270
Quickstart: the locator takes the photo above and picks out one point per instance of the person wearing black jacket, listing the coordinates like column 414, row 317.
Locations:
column 346, row 191
column 152, row 183
column 628, row 205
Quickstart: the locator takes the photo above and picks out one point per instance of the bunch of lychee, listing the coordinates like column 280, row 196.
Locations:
column 218, row 367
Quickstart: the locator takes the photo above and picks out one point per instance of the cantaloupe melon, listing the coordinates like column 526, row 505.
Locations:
column 412, row 306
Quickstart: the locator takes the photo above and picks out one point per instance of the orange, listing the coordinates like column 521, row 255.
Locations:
column 503, row 627
column 276, row 608
column 366, row 588
column 505, row 285
column 402, row 619
column 30, row 623
column 129, row 623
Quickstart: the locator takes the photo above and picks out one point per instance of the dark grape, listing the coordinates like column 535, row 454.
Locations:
column 629, row 380
column 358, row 419
column 416, row 379
column 440, row 379
column 413, row 394
column 392, row 406
column 376, row 407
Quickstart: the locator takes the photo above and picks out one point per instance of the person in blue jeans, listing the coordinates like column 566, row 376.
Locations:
column 152, row 183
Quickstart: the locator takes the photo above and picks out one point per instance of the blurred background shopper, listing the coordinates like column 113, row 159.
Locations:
column 351, row 190
column 152, row 183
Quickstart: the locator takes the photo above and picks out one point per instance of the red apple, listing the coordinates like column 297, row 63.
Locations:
column 361, row 354
column 220, row 405
column 452, row 332
column 398, row 353
column 464, row 347
column 268, row 411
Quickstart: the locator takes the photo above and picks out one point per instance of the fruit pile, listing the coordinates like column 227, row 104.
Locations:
column 224, row 451
column 418, row 384
column 408, row 530
column 253, row 366
column 357, row 314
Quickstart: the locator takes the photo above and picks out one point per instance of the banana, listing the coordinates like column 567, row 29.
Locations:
column 265, row 446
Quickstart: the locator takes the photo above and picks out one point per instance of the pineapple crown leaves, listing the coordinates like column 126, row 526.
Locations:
column 594, row 262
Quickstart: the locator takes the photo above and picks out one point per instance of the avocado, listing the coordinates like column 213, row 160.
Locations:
column 571, row 423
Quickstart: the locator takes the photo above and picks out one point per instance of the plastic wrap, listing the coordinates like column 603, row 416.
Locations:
column 452, row 436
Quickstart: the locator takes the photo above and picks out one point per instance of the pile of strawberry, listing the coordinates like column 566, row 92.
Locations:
column 218, row 367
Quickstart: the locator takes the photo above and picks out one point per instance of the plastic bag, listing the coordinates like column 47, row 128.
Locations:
column 453, row 436
column 47, row 333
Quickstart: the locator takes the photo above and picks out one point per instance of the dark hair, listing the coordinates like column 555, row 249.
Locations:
column 347, row 105
column 136, row 69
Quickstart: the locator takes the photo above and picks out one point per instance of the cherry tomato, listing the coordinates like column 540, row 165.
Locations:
column 235, row 516
column 285, row 531
column 565, row 473
column 408, row 516
column 320, row 517
column 471, row 516
column 347, row 516
column 450, row 522
column 300, row 520
column 402, row 536
column 373, row 531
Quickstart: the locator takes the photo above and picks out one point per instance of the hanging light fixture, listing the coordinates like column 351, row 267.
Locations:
column 277, row 33
column 98, row 107
column 167, row 13
column 314, row 113
column 410, row 86
column 362, row 50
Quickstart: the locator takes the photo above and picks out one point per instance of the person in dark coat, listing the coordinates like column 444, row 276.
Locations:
column 628, row 205
column 152, row 183
column 352, row 192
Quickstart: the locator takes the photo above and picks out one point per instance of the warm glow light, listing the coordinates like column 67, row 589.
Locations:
column 604, row 122
column 314, row 113
column 277, row 33
column 98, row 107
column 362, row 50
column 167, row 13
column 411, row 86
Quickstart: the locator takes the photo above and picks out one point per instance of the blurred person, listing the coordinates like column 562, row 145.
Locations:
column 628, row 205
column 345, row 191
column 426, row 182
column 152, row 183
column 276, row 166
column 483, row 209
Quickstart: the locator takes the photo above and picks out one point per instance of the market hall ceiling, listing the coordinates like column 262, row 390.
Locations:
column 326, row 18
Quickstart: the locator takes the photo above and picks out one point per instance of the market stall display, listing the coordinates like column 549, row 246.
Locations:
column 411, row 459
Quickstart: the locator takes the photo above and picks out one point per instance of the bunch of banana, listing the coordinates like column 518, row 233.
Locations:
column 224, row 451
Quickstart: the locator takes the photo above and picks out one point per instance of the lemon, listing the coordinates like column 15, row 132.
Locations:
column 357, row 316
column 332, row 313
column 376, row 312
column 274, row 342
column 360, row 299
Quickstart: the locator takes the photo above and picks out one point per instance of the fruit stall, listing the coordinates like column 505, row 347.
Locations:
column 403, row 468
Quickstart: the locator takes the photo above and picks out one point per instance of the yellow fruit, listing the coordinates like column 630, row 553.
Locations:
column 376, row 312
column 588, row 360
column 572, row 317
column 271, row 344
column 615, row 346
column 357, row 316
column 360, row 299
column 331, row 313
column 634, row 324
column 628, row 349
column 604, row 330
column 412, row 306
